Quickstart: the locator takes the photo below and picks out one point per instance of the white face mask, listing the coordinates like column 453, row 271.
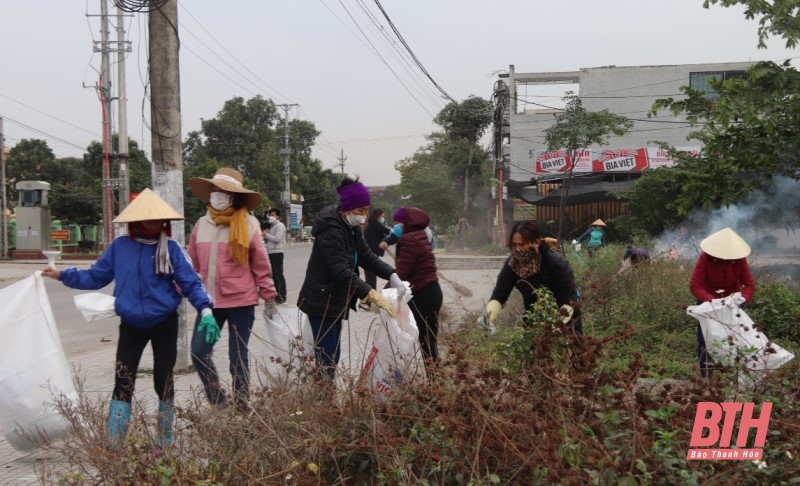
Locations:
column 220, row 201
column 382, row 220
column 272, row 219
column 356, row 220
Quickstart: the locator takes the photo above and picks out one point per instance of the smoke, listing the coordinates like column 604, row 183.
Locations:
column 767, row 219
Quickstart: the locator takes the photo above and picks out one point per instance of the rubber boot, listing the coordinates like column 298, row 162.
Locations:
column 166, row 420
column 119, row 418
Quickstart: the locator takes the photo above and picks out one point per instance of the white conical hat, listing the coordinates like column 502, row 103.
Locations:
column 147, row 207
column 725, row 244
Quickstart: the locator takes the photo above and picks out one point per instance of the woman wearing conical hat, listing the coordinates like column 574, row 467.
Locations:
column 146, row 265
column 594, row 237
column 721, row 270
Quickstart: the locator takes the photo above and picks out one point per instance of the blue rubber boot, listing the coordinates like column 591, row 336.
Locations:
column 119, row 418
column 166, row 420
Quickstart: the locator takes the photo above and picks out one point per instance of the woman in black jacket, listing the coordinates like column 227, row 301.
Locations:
column 533, row 264
column 332, row 284
column 374, row 233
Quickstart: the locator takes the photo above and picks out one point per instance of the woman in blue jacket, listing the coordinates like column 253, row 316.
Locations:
column 147, row 267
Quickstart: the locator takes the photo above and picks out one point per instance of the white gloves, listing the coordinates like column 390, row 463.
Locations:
column 396, row 283
column 574, row 242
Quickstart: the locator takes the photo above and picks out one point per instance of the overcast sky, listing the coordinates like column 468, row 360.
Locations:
column 340, row 61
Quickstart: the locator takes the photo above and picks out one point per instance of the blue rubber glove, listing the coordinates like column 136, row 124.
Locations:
column 209, row 325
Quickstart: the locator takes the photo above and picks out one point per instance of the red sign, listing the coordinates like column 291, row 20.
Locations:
column 59, row 235
column 621, row 160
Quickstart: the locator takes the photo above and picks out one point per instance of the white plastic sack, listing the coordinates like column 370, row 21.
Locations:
column 95, row 306
column 393, row 357
column 287, row 332
column 33, row 366
column 729, row 331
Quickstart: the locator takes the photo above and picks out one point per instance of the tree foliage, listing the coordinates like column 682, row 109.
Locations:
column 433, row 176
column 249, row 135
column 467, row 121
column 575, row 130
column 751, row 131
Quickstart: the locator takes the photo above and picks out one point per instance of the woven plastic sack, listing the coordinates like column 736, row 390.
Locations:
column 288, row 339
column 393, row 357
column 33, row 367
column 95, row 306
column 730, row 334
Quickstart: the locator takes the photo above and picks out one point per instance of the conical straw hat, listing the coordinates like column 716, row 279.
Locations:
column 147, row 207
column 598, row 222
column 227, row 179
column 725, row 244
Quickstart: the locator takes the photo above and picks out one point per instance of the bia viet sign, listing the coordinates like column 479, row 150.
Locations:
column 598, row 160
column 719, row 419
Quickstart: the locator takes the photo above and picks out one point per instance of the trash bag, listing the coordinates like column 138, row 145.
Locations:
column 731, row 336
column 33, row 367
column 393, row 357
column 95, row 306
column 288, row 339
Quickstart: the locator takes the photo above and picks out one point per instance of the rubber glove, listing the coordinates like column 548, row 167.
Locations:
column 396, row 283
column 492, row 310
column 566, row 313
column 373, row 298
column 270, row 309
column 209, row 326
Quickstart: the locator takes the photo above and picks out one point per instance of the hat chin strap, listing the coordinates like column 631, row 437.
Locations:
column 228, row 179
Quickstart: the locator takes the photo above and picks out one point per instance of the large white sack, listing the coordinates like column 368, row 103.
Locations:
column 288, row 338
column 729, row 331
column 393, row 357
column 33, row 366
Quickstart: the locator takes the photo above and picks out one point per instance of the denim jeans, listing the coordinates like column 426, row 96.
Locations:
column 326, row 331
column 241, row 324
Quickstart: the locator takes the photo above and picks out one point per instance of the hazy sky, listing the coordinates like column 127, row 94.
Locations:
column 340, row 61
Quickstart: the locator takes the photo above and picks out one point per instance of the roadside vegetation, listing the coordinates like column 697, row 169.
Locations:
column 525, row 406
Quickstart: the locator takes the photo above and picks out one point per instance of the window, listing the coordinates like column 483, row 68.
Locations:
column 700, row 81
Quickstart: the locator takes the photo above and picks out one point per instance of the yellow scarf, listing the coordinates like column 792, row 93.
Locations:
column 238, row 238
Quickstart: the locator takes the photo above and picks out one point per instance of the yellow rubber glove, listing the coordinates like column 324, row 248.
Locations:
column 379, row 301
column 493, row 308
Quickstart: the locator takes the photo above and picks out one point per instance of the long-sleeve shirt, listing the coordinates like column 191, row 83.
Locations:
column 275, row 237
column 713, row 278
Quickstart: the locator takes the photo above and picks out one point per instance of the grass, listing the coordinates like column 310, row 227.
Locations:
column 526, row 406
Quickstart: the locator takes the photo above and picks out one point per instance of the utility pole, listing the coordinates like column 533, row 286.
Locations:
column 123, row 48
column 105, row 100
column 286, row 151
column 165, row 129
column 5, row 198
column 342, row 158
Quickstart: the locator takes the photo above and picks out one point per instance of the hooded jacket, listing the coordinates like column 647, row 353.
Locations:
column 332, row 282
column 416, row 262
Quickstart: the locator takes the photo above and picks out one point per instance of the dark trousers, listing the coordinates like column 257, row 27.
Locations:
column 425, row 307
column 326, row 331
column 163, row 339
column 276, row 262
column 702, row 352
column 241, row 324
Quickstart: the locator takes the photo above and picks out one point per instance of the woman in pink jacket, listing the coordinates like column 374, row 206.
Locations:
column 227, row 250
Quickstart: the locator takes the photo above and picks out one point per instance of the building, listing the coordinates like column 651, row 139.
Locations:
column 534, row 175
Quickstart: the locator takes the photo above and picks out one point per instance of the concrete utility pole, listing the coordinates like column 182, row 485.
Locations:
column 123, row 48
column 5, row 197
column 105, row 100
column 286, row 151
column 165, row 129
column 342, row 158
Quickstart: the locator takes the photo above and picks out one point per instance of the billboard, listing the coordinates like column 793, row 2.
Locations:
column 604, row 159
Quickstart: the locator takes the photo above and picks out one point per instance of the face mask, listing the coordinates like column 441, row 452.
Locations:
column 220, row 201
column 356, row 220
column 398, row 230
column 272, row 219
column 382, row 220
